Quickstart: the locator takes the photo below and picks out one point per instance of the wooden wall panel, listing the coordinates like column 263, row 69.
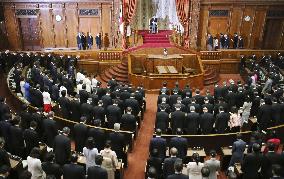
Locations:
column 236, row 19
column 217, row 26
column 256, row 35
column 12, row 27
column 59, row 26
column 203, row 25
column 106, row 19
column 71, row 23
column 246, row 27
column 47, row 30
column 89, row 24
column 272, row 33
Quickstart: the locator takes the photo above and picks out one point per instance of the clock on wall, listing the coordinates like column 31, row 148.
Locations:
column 58, row 18
column 247, row 18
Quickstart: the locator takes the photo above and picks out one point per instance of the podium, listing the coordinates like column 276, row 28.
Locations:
column 153, row 61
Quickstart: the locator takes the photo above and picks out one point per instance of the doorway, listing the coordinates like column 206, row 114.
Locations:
column 29, row 28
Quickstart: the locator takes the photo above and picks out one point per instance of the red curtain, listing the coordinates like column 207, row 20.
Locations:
column 182, row 7
column 128, row 12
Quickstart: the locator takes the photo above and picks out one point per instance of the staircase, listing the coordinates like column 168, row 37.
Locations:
column 211, row 76
column 120, row 72
column 159, row 38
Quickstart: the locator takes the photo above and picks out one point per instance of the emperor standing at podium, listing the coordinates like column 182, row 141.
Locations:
column 153, row 25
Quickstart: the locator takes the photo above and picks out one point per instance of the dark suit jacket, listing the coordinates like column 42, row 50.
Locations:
column 178, row 176
column 177, row 118
column 84, row 95
column 99, row 137
column 97, row 172
column 155, row 162
column 134, row 104
column 113, row 114
column 62, row 149
column 50, row 131
column 75, row 109
column 51, row 168
column 264, row 116
column 162, row 120
column 251, row 164
column 31, row 139
column 160, row 144
column 87, row 110
column 117, row 143
column 206, row 123
column 99, row 112
column 191, row 123
column 222, row 122
column 4, row 158
column 80, row 136
column 73, row 171
column 199, row 99
column 128, row 122
column 17, row 140
column 180, row 144
column 65, row 106
column 168, row 167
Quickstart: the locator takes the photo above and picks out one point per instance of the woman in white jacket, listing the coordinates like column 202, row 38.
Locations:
column 34, row 164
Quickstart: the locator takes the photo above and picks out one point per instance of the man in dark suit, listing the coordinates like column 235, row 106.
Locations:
column 163, row 95
column 240, row 42
column 178, row 166
column 222, row 119
column 84, row 95
column 208, row 105
column 159, row 143
column 165, row 89
column 112, row 83
column 99, row 112
column 17, row 140
column 106, row 99
column 97, row 171
column 75, row 109
column 98, row 135
column 87, row 110
column 238, row 149
column 64, row 105
column 231, row 99
column 162, row 119
column 73, row 170
column 5, row 126
column 191, row 123
column 252, row 163
column 226, row 42
column 168, row 167
column 180, row 143
column 199, row 98
column 50, row 167
column 173, row 98
column 80, row 134
column 133, row 103
column 4, row 109
column 79, row 41
column 155, row 161
column 90, row 40
column 206, row 122
column 128, row 121
column 31, row 137
column 217, row 92
column 118, row 142
column 83, row 40
column 49, row 129
column 197, row 107
column 271, row 158
column 62, row 147
column 177, row 118
column 113, row 113
column 264, row 114
column 235, row 40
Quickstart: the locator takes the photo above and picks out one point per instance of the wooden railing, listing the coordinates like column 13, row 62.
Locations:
column 236, row 53
column 110, row 56
column 210, row 55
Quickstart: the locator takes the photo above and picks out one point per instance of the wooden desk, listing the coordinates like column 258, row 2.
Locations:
column 160, row 60
column 201, row 153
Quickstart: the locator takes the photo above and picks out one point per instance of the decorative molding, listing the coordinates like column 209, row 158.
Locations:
column 26, row 13
column 219, row 13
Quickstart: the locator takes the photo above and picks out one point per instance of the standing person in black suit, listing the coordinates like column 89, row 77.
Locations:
column 80, row 134
column 99, row 112
column 231, row 99
column 209, row 42
column 165, row 89
column 84, row 95
column 217, row 92
column 62, row 147
column 271, row 158
column 64, row 105
column 252, row 163
column 155, row 161
column 107, row 100
column 83, row 40
column 31, row 137
column 90, row 40
column 4, row 109
column 73, row 170
column 159, row 143
column 191, row 123
column 4, row 156
column 199, row 98
column 79, row 41
column 163, row 95
column 177, row 118
column 49, row 129
column 113, row 114
column 112, row 83
column 235, row 40
column 173, row 98
column 197, row 107
column 226, row 42
column 168, row 167
column 87, row 111
column 17, row 140
column 208, row 105
column 264, row 115
column 162, row 119
column 50, row 167
column 118, row 142
column 98, row 135
column 238, row 149
column 180, row 143
column 75, row 108
column 97, row 172
column 128, row 121
column 133, row 103
column 222, row 119
column 178, row 166
column 222, row 41
column 240, row 42
column 206, row 121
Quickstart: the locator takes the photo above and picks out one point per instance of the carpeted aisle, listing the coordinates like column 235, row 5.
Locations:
column 137, row 158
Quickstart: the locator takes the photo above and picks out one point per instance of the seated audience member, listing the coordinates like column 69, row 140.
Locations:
column 159, row 143
column 154, row 161
column 194, row 168
column 73, row 170
column 253, row 163
column 90, row 152
column 50, row 168
column 213, row 165
column 168, row 167
column 238, row 149
column 178, row 166
column 205, row 172
column 34, row 164
column 110, row 161
column 97, row 171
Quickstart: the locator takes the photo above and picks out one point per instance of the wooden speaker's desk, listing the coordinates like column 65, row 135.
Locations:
column 160, row 60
